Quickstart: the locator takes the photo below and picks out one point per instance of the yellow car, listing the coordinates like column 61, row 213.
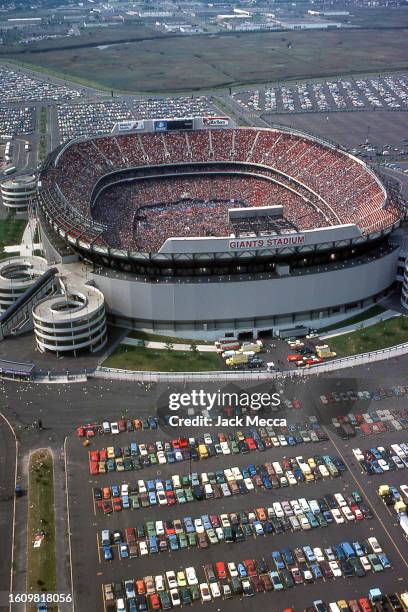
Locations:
column 181, row 579
column 110, row 452
column 312, row 463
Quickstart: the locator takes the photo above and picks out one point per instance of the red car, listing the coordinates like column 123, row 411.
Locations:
column 175, row 444
column 294, row 357
column 171, row 499
column 107, row 508
column 296, row 404
column 94, row 455
column 80, row 432
column 102, row 455
column 251, row 443
column 154, row 603
column 364, row 605
column 183, row 443
column 117, row 504
column 122, row 425
column 214, row 520
column 220, row 570
column 250, row 567
column 169, row 528
column 89, row 431
column 93, row 468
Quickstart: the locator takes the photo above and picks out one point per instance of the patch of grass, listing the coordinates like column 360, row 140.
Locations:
column 379, row 336
column 159, row 338
column 41, row 566
column 11, row 231
column 162, row 360
column 176, row 63
column 363, row 316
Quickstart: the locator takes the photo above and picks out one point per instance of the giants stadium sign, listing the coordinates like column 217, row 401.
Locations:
column 215, row 121
column 274, row 242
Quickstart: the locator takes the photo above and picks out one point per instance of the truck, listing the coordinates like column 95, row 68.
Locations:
column 251, row 346
column 324, row 351
column 293, row 332
column 237, row 360
column 229, row 346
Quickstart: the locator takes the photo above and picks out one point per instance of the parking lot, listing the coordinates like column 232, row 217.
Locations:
column 88, row 521
column 99, row 118
column 342, row 94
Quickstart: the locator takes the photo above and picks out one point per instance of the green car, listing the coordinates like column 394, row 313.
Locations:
column 322, row 521
column 357, row 567
column 212, row 536
column 134, row 501
column 140, row 531
column 182, row 538
column 181, row 498
column 234, row 447
column 153, row 458
column 165, row 600
column 375, row 563
column 189, row 494
column 110, row 465
column 195, row 593
column 150, row 528
column 185, row 481
column 357, row 497
column 192, row 539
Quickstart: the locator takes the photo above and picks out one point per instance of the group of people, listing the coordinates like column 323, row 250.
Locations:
column 316, row 185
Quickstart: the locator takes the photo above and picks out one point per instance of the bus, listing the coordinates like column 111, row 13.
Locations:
column 10, row 170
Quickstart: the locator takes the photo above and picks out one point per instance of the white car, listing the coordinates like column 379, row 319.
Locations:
column 365, row 563
column 278, row 510
column 383, row 465
column 141, row 486
column 340, row 500
column 282, row 440
column 161, row 457
column 232, row 569
column 334, row 566
column 374, row 545
column 171, row 579
column 161, row 498
column 318, row 553
column 348, row 513
column 120, row 605
column 215, row 590
column 205, row 592
column 114, row 429
column 358, row 454
column 208, row 439
column 337, row 516
column 249, row 484
column 198, row 524
column 159, row 528
column 159, row 582
column 275, row 441
column 324, row 471
column 175, row 598
column 291, row 478
column 304, row 523
column 191, row 576
column 225, row 449
column 219, row 532
column 324, row 399
column 224, row 520
column 143, row 550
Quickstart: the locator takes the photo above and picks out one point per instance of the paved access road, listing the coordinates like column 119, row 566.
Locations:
column 7, row 475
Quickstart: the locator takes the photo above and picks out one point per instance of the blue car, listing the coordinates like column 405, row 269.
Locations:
column 153, row 422
column 385, row 562
column 291, row 441
column 241, row 570
column 188, row 523
column 316, row 571
column 152, row 498
column 279, row 562
column 170, row 457
column 107, row 553
column 206, row 521
column 168, row 486
column 125, row 502
column 266, row 482
column 150, row 485
column 115, row 491
column 172, row 539
column 252, row 469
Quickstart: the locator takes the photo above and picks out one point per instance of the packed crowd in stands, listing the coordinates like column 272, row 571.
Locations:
column 147, row 212
column 317, row 185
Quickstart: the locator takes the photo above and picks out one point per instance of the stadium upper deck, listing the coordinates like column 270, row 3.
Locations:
column 171, row 192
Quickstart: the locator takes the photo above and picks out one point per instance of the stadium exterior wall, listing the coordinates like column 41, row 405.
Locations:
column 210, row 309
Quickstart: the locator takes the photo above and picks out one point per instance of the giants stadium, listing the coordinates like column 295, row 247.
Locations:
column 197, row 228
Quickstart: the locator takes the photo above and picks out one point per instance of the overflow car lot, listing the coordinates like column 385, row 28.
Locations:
column 91, row 572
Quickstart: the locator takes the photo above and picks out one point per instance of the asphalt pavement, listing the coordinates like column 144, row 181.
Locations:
column 7, row 476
